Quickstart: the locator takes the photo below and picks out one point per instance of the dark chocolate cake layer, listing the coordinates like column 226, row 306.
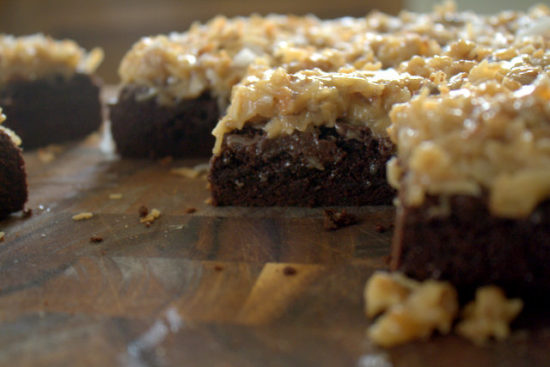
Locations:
column 470, row 247
column 52, row 110
column 13, row 179
column 145, row 129
column 344, row 165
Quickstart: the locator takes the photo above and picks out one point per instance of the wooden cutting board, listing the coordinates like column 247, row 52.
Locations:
column 209, row 288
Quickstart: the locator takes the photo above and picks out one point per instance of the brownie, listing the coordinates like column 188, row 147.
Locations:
column 13, row 179
column 142, row 128
column 52, row 109
column 471, row 247
column 343, row 165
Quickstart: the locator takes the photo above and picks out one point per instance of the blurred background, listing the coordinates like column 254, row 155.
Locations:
column 115, row 25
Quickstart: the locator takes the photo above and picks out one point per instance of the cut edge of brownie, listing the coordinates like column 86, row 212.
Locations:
column 13, row 178
column 343, row 165
column 470, row 247
column 54, row 109
column 142, row 128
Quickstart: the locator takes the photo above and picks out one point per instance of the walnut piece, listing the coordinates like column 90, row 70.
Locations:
column 385, row 290
column 489, row 315
column 413, row 310
column 151, row 217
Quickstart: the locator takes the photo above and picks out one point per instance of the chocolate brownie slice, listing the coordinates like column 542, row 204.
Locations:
column 340, row 165
column 472, row 170
column 308, row 138
column 47, row 89
column 53, row 109
column 144, row 129
column 13, row 178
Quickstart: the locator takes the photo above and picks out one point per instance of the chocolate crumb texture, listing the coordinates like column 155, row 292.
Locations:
column 96, row 239
column 143, row 211
column 218, row 267
column 338, row 219
column 190, row 210
column 27, row 213
column 289, row 270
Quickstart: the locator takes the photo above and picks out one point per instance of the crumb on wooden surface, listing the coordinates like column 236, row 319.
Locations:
column 166, row 160
column 143, row 211
column 410, row 310
column 289, row 270
column 115, row 196
column 49, row 153
column 2, row 236
column 186, row 172
column 218, row 267
column 190, row 210
column 488, row 316
column 151, row 217
column 96, row 239
column 83, row 216
column 335, row 219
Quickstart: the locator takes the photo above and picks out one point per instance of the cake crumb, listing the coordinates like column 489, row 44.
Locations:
column 27, row 213
column 82, row 216
column 151, row 217
column 190, row 210
column 289, row 270
column 218, row 267
column 381, row 228
column 45, row 157
column 412, row 310
column 96, row 239
column 489, row 315
column 49, row 153
column 115, row 196
column 185, row 172
column 338, row 219
column 143, row 211
column 208, row 201
column 2, row 236
column 166, row 160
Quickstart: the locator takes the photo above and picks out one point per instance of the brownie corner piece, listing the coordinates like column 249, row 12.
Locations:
column 343, row 165
column 144, row 128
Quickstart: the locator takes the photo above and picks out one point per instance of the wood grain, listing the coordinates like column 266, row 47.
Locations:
column 203, row 289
